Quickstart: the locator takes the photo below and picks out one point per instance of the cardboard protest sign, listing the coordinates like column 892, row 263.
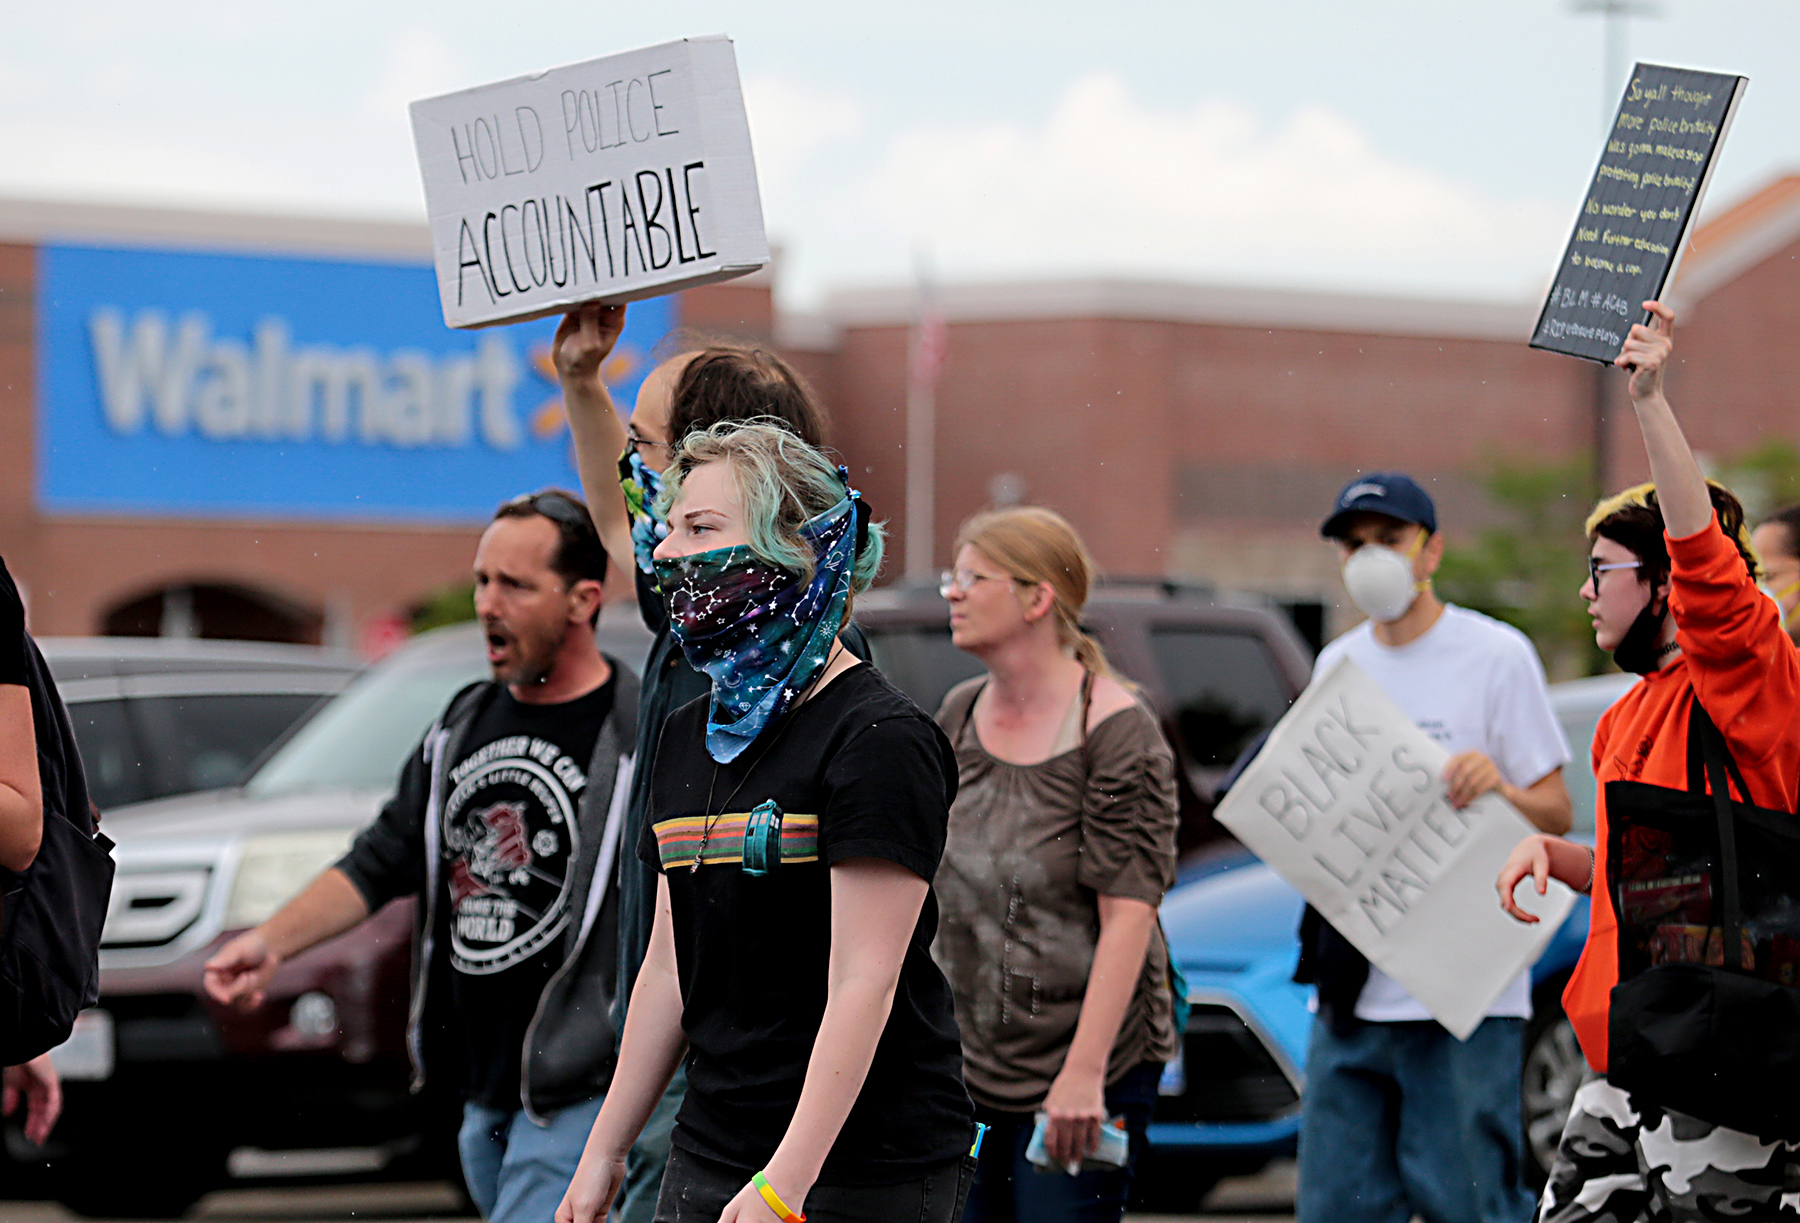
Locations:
column 1658, row 157
column 1346, row 802
column 621, row 178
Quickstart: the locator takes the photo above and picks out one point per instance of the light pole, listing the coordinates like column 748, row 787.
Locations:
column 1615, row 13
column 924, row 362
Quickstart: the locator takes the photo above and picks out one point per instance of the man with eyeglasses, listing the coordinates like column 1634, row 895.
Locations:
column 1399, row 1118
column 506, row 825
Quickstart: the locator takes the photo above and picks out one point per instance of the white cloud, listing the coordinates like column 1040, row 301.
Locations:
column 351, row 152
column 1107, row 184
column 791, row 122
column 418, row 63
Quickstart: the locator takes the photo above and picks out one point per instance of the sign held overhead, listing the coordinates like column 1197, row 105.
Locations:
column 1347, row 803
column 1658, row 156
column 617, row 179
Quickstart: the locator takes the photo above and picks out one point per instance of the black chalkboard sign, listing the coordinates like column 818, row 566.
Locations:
column 1635, row 219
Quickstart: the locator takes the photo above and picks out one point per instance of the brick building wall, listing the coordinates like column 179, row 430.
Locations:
column 1189, row 432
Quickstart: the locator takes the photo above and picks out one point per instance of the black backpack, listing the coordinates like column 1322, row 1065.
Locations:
column 51, row 914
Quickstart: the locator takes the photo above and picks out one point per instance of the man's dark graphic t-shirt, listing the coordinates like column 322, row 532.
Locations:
column 510, row 838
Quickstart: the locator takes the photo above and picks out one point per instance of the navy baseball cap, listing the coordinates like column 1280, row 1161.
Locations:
column 1383, row 492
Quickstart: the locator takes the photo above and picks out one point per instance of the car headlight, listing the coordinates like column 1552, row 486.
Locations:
column 274, row 868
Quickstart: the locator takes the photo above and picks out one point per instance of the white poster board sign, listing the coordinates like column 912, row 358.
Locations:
column 620, row 178
column 1346, row 802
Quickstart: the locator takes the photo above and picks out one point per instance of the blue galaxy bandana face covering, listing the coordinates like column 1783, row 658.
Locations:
column 758, row 632
column 641, row 486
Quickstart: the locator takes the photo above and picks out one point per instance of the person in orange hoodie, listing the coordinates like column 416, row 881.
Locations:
column 1672, row 592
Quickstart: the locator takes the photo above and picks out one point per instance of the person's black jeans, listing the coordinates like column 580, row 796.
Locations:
column 1008, row 1189
column 696, row 1189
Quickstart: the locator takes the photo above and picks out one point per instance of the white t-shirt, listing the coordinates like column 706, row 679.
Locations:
column 1472, row 684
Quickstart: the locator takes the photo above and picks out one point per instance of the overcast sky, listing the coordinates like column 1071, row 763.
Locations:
column 1436, row 146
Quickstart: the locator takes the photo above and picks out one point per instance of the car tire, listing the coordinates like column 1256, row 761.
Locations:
column 1553, row 1068
column 1164, row 1182
column 139, row 1188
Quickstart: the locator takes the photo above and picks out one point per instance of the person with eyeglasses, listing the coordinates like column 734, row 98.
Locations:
column 505, row 825
column 1061, row 845
column 1777, row 544
column 622, row 464
column 1672, row 592
column 1399, row 1117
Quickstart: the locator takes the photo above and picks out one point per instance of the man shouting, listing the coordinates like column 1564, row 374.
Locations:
column 505, row 824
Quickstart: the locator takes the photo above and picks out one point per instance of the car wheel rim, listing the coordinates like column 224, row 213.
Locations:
column 1554, row 1069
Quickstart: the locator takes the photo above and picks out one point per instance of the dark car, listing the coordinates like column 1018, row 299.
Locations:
column 1217, row 674
column 314, row 1082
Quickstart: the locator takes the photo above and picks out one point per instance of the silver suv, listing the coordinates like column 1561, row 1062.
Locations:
column 156, row 717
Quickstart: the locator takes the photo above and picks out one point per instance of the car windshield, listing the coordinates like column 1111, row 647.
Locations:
column 359, row 741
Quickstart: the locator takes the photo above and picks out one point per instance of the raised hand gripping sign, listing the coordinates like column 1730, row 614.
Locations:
column 613, row 180
column 1628, row 237
column 1346, row 802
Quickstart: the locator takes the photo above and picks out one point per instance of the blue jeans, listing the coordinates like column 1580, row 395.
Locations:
column 1402, row 1119
column 517, row 1171
column 1009, row 1189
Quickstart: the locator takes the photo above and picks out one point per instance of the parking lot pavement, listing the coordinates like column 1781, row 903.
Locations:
column 1267, row 1198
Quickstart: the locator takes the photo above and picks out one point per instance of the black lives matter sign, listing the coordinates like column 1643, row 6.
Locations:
column 1658, row 157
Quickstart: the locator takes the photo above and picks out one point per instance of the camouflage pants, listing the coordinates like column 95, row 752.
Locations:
column 1624, row 1161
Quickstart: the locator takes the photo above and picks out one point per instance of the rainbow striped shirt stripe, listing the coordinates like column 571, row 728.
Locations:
column 678, row 838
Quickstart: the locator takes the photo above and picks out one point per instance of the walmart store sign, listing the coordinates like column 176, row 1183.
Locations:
column 216, row 385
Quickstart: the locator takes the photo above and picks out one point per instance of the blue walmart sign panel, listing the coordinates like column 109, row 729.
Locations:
column 206, row 385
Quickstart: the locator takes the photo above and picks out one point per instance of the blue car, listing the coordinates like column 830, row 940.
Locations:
column 1232, row 1102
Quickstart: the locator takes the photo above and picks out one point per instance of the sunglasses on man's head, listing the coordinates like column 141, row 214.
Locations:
column 558, row 507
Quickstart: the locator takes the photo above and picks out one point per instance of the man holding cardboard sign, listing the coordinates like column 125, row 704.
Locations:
column 1402, row 1115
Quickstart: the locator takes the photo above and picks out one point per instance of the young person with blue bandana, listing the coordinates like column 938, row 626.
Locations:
column 797, row 816
column 622, row 464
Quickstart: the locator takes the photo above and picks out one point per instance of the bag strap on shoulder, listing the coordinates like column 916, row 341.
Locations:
column 1715, row 754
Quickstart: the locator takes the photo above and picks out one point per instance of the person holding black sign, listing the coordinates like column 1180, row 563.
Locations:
column 1672, row 591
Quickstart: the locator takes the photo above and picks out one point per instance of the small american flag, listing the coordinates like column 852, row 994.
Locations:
column 929, row 342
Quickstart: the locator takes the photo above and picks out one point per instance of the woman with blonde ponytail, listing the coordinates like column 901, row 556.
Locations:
column 1061, row 844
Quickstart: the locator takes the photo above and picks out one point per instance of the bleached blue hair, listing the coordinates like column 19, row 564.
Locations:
column 782, row 483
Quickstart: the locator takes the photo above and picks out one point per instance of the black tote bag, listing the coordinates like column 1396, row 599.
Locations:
column 1706, row 887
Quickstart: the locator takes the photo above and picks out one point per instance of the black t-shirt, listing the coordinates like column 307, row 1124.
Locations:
column 509, row 838
column 857, row 771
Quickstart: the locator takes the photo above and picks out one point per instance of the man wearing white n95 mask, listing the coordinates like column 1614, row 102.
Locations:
column 1399, row 1117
